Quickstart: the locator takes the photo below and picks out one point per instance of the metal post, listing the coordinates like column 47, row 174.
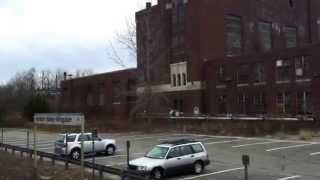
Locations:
column 246, row 172
column 35, row 150
column 2, row 135
column 100, row 173
column 94, row 154
column 82, row 150
column 28, row 142
column 66, row 154
column 245, row 162
column 128, row 153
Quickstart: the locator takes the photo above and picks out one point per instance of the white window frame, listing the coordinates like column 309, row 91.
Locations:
column 179, row 69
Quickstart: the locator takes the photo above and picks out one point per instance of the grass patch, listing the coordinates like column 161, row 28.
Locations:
column 307, row 135
column 280, row 135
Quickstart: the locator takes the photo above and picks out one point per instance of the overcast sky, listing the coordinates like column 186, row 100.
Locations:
column 67, row 34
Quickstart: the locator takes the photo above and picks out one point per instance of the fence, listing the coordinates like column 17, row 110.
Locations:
column 100, row 168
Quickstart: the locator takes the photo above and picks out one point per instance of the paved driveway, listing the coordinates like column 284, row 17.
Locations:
column 270, row 158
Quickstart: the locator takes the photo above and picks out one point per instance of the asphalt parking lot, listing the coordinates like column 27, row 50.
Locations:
column 270, row 158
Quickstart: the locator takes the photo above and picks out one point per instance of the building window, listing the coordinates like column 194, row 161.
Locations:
column 243, row 102
column 265, row 35
column 259, row 73
column 116, row 91
column 233, row 35
column 304, row 103
column 184, row 79
column 178, row 105
column 291, row 35
column 259, row 102
column 179, row 80
column 222, row 104
column 291, row 3
column 302, row 67
column 101, row 99
column 90, row 99
column 181, row 14
column 283, row 70
column 174, row 80
column 179, row 74
column 284, row 104
column 221, row 74
column 243, row 74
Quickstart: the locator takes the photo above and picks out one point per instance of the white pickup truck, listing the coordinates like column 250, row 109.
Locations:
column 107, row 146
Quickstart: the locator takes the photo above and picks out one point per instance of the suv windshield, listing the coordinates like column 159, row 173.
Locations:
column 158, row 152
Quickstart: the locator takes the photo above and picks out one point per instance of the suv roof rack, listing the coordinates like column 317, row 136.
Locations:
column 179, row 141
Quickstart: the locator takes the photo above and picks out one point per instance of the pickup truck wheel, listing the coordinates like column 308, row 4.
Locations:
column 198, row 167
column 157, row 173
column 75, row 154
column 110, row 150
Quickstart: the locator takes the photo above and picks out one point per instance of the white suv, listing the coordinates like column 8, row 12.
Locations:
column 107, row 146
column 171, row 157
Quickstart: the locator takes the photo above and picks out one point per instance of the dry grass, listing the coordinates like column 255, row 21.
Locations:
column 307, row 135
column 280, row 135
column 15, row 168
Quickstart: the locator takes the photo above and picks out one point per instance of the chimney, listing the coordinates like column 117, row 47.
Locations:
column 148, row 5
column 65, row 76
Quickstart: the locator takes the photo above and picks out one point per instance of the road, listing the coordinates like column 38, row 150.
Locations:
column 271, row 159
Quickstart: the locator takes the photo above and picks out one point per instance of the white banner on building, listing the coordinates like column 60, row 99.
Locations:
column 59, row 119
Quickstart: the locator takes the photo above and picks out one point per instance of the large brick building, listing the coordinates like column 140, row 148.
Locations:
column 263, row 52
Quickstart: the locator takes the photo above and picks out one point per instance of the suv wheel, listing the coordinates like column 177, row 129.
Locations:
column 157, row 173
column 198, row 167
column 75, row 154
column 110, row 150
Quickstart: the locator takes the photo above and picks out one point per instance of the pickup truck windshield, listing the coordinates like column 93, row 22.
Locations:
column 158, row 152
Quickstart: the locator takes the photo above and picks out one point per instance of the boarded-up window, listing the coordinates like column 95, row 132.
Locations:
column 243, row 74
column 233, row 35
column 222, row 104
column 284, row 103
column 283, row 70
column 243, row 101
column 116, row 91
column 101, row 99
column 304, row 102
column 265, row 35
column 291, row 37
column 259, row 73
column 302, row 67
column 90, row 99
column 221, row 74
column 259, row 102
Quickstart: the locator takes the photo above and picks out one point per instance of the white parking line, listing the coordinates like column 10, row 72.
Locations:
column 289, row 147
column 241, row 137
column 254, row 144
column 222, row 142
column 214, row 173
column 314, row 154
column 291, row 177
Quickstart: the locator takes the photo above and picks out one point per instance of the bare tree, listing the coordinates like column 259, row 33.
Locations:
column 83, row 72
column 152, row 55
column 123, row 50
